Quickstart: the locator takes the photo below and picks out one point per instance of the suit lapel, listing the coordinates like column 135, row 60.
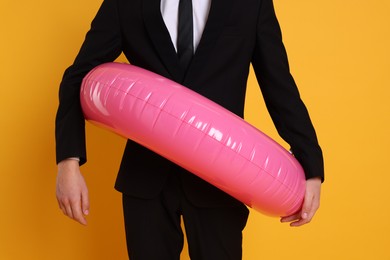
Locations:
column 160, row 37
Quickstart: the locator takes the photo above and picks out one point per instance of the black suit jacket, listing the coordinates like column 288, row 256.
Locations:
column 237, row 33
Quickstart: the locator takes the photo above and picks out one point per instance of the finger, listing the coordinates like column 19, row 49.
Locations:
column 310, row 207
column 307, row 213
column 64, row 204
column 68, row 210
column 304, row 219
column 77, row 211
column 301, row 216
column 299, row 223
column 73, row 211
column 85, row 202
column 60, row 206
column 312, row 198
column 291, row 217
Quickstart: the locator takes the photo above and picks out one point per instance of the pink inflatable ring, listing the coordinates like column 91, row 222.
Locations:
column 195, row 133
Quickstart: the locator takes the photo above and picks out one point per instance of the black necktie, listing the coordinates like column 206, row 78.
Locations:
column 185, row 47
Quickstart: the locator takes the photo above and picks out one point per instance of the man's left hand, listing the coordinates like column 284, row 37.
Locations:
column 310, row 205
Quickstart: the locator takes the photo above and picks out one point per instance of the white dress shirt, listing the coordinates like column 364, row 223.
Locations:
column 200, row 9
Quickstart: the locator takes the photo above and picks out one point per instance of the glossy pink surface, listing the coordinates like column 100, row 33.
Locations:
column 195, row 133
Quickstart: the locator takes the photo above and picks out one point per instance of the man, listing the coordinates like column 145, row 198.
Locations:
column 228, row 35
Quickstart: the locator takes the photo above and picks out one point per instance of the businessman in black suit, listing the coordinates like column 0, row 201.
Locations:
column 231, row 35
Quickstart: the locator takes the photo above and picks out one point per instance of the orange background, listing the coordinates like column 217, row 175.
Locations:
column 339, row 55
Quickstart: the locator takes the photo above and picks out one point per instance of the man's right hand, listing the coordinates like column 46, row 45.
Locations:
column 72, row 191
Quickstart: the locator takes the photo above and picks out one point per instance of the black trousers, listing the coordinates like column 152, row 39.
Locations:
column 153, row 227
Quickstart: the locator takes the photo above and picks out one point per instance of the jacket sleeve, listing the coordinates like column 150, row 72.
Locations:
column 102, row 44
column 281, row 95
